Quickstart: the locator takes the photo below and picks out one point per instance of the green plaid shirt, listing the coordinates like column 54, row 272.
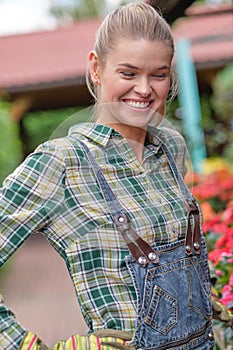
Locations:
column 54, row 191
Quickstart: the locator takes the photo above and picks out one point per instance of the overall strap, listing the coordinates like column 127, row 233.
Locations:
column 142, row 252
column 176, row 174
column 192, row 237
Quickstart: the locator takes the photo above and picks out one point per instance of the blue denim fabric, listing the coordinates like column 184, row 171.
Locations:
column 174, row 307
column 174, row 300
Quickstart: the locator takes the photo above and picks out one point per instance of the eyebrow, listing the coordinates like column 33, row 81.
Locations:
column 128, row 65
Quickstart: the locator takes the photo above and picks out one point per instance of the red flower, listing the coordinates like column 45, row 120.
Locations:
column 227, row 296
column 214, row 255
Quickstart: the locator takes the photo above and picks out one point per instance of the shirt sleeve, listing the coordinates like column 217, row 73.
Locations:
column 31, row 197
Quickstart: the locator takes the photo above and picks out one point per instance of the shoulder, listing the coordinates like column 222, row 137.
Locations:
column 176, row 145
column 64, row 149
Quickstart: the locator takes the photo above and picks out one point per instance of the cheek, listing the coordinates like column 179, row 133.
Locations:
column 114, row 88
column 163, row 89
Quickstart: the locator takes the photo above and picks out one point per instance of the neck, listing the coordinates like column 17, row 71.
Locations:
column 134, row 135
column 138, row 149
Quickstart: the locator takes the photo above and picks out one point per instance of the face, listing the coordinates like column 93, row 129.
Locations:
column 134, row 81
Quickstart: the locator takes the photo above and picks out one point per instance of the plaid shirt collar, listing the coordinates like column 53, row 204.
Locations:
column 101, row 134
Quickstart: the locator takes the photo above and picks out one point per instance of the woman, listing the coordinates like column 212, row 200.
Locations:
column 110, row 199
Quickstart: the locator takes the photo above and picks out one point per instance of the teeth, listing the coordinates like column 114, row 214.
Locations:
column 135, row 104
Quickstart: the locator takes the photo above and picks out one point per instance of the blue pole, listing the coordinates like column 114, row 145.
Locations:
column 190, row 104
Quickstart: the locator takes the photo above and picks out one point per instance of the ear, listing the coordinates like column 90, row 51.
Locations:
column 94, row 67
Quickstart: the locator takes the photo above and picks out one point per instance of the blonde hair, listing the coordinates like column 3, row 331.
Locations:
column 135, row 22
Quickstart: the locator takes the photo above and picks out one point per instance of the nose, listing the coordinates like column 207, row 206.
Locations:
column 143, row 87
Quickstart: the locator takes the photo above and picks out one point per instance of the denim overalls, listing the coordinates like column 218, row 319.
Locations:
column 171, row 281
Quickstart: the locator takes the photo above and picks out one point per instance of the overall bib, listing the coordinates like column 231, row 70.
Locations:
column 171, row 281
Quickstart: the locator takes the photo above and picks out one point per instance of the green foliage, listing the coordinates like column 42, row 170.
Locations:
column 217, row 130
column 10, row 145
column 173, row 112
column 41, row 126
column 228, row 151
column 79, row 10
column 222, row 99
column 222, row 104
column 205, row 111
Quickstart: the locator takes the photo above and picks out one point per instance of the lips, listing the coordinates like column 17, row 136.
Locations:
column 137, row 104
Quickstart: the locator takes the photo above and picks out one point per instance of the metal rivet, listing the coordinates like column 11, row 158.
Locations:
column 196, row 245
column 142, row 260
column 121, row 218
column 211, row 335
column 152, row 256
column 188, row 248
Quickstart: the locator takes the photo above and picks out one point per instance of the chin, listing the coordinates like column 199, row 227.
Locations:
column 139, row 117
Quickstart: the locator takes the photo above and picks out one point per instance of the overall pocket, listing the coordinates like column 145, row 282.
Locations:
column 162, row 311
column 174, row 304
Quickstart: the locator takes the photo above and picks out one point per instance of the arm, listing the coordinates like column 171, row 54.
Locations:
column 30, row 198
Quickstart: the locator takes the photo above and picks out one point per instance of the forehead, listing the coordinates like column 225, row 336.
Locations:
column 140, row 52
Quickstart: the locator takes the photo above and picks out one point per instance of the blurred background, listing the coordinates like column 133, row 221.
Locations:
column 44, row 46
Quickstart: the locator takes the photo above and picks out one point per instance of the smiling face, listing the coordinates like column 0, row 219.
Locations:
column 136, row 78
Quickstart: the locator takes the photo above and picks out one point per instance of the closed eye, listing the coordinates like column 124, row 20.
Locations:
column 127, row 74
column 160, row 75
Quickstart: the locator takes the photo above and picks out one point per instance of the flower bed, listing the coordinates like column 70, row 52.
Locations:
column 214, row 192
